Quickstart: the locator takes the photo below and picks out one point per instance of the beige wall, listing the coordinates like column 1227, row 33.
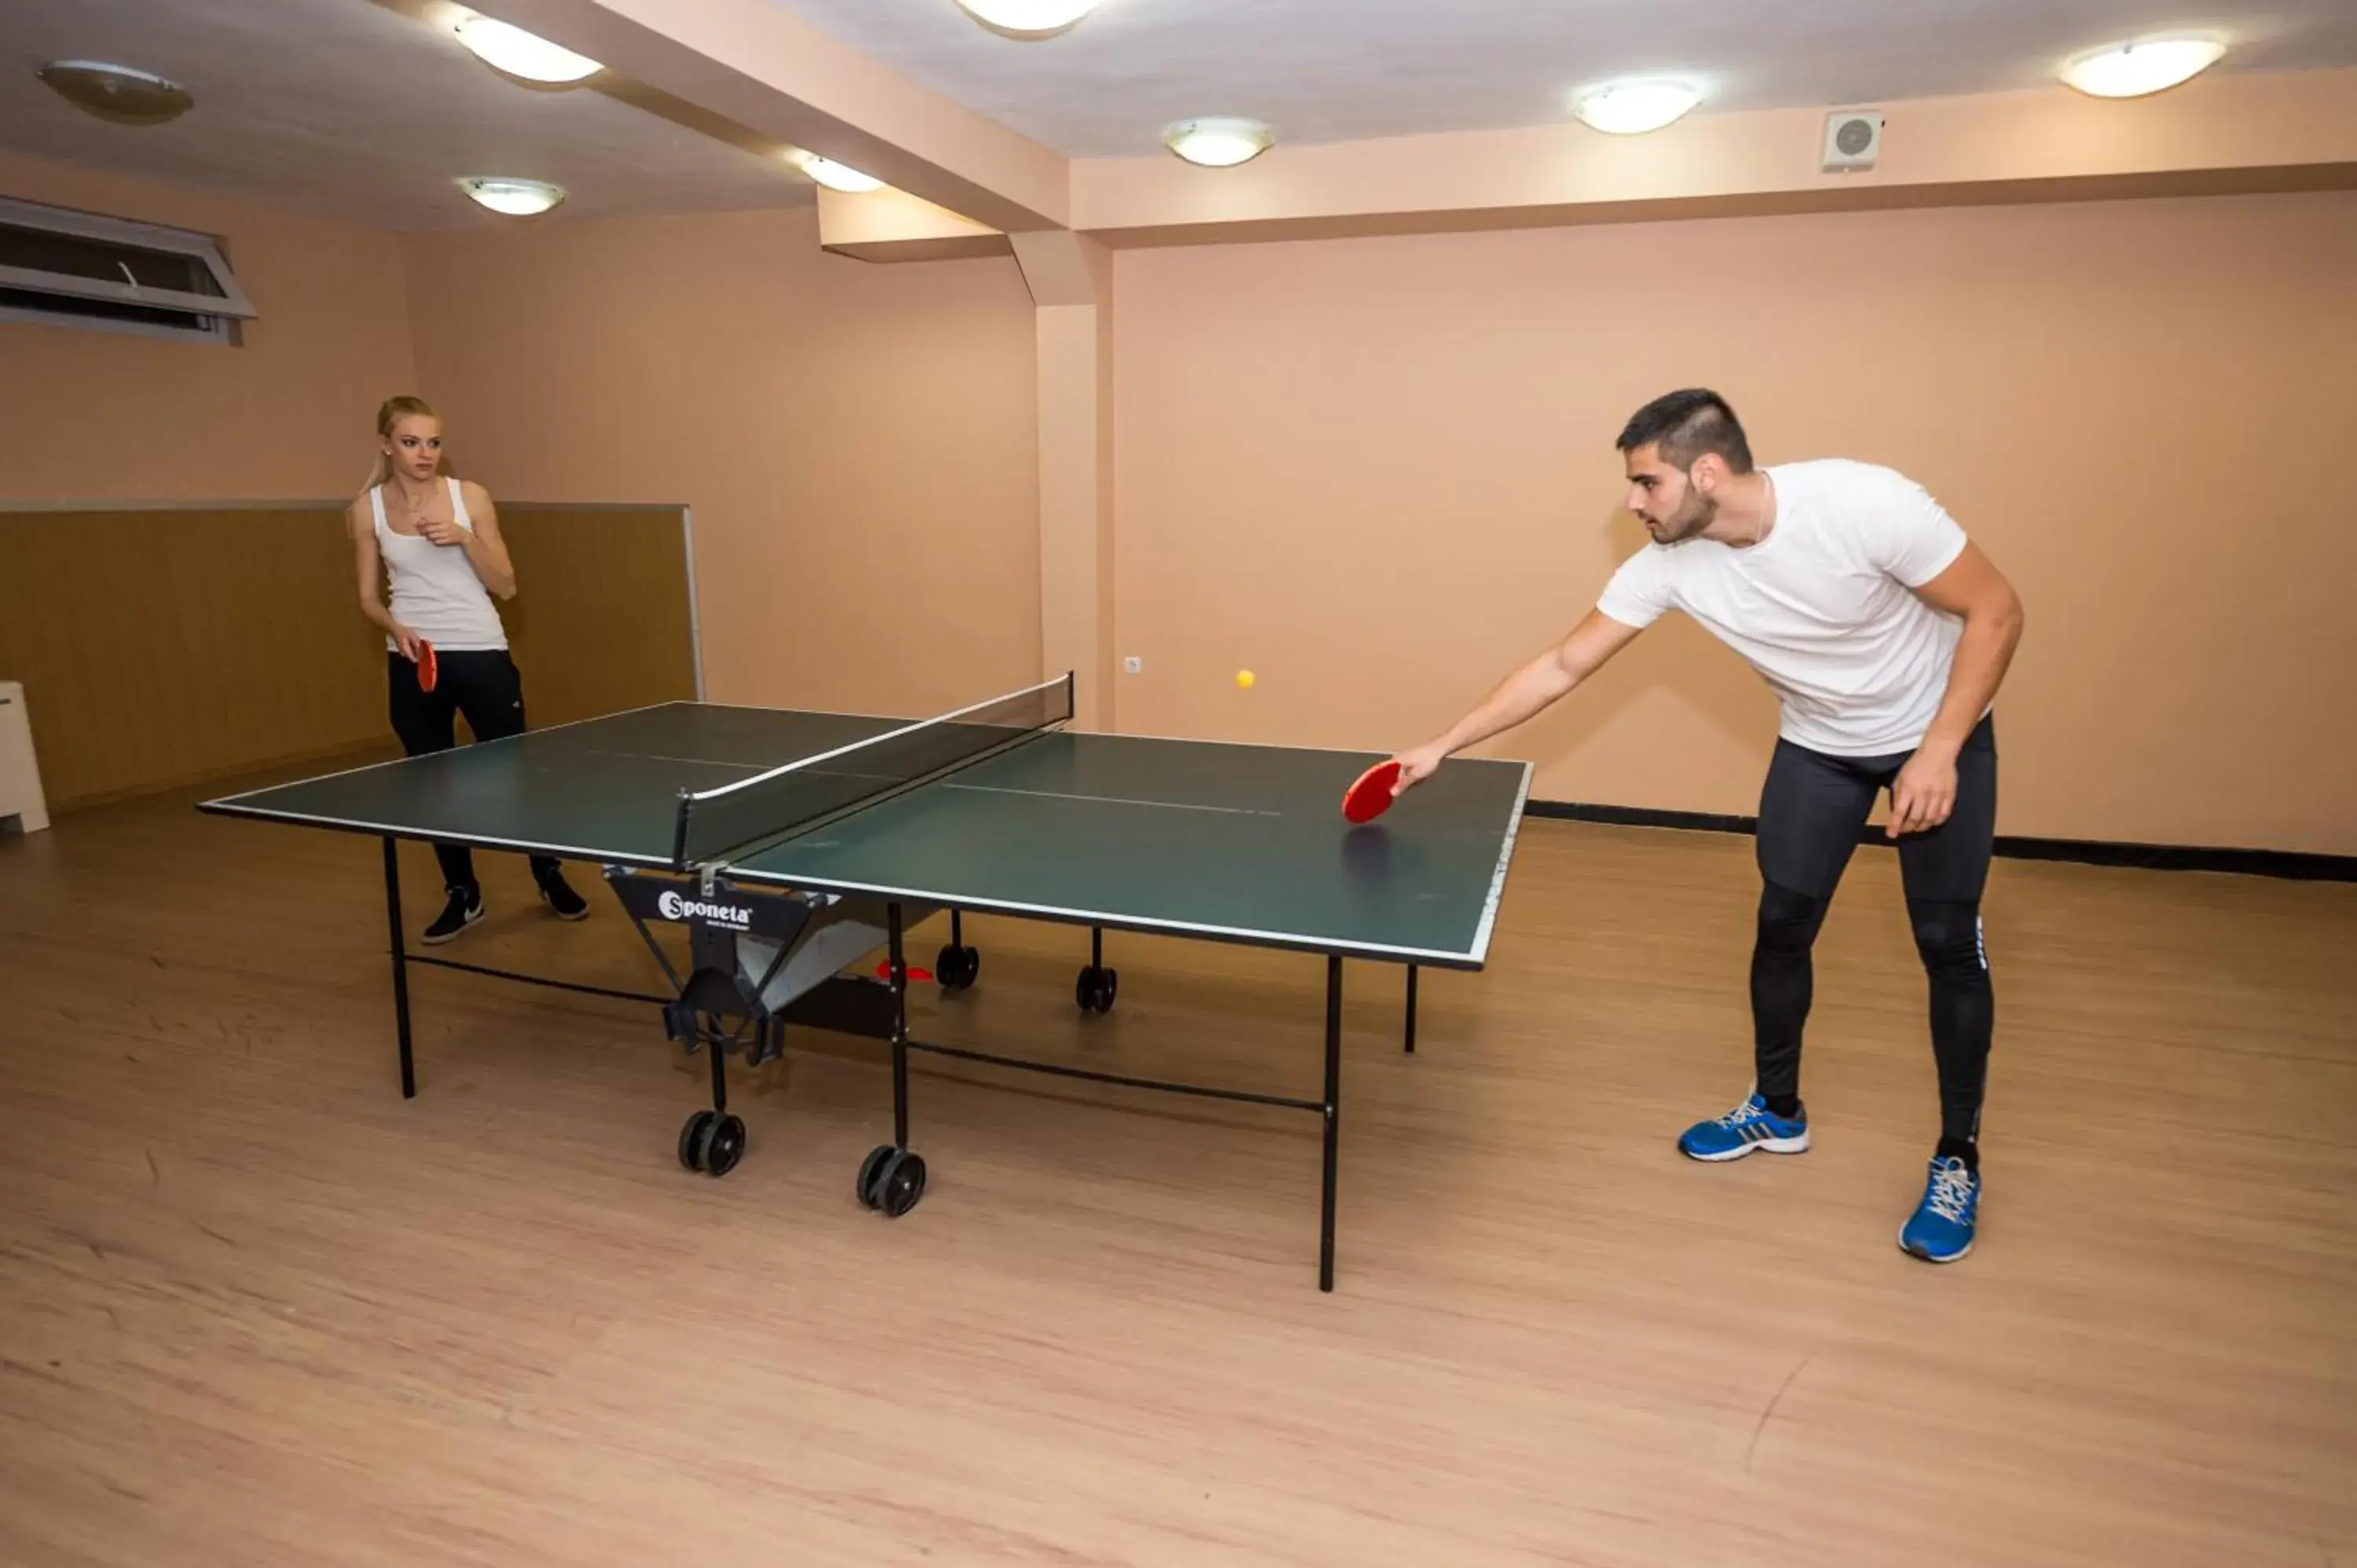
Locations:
column 1376, row 471
column 856, row 443
column 1379, row 472
column 90, row 415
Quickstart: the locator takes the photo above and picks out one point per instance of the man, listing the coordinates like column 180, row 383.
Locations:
column 1884, row 633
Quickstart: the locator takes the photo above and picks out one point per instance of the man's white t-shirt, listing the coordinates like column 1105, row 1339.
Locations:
column 1821, row 607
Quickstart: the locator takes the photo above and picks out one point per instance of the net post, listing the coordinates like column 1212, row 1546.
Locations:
column 679, row 830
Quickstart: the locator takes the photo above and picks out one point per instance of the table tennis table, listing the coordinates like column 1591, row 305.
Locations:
column 794, row 845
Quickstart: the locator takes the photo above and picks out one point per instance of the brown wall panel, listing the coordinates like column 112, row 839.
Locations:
column 164, row 647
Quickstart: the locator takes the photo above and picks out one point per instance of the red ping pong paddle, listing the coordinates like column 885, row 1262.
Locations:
column 425, row 665
column 1371, row 795
column 884, row 971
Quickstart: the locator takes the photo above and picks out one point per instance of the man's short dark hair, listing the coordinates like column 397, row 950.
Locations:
column 1686, row 425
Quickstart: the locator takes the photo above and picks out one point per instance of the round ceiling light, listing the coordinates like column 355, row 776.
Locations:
column 513, row 198
column 518, row 53
column 116, row 92
column 839, row 176
column 2131, row 71
column 1028, row 18
column 1218, row 144
column 1634, row 108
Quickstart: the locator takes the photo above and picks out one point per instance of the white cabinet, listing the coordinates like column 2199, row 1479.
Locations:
column 21, row 806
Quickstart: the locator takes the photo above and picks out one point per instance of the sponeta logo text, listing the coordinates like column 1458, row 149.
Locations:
column 675, row 907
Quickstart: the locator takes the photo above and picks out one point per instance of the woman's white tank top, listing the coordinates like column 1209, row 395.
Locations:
column 432, row 587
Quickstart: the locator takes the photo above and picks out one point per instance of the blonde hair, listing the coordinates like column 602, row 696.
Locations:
column 388, row 417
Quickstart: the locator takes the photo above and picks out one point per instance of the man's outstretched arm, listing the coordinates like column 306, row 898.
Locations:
column 1523, row 694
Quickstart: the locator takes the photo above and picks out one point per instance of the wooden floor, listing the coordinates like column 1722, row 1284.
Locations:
column 255, row 1309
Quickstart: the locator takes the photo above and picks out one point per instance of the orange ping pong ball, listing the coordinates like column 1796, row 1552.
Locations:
column 1244, row 679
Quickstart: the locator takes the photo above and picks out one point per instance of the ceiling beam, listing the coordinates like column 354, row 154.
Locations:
column 755, row 63
column 890, row 225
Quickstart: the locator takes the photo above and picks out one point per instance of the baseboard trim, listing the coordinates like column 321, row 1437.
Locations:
column 2292, row 864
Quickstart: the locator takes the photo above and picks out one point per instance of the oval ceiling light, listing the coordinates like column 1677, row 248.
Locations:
column 838, row 177
column 2131, row 71
column 518, row 53
column 1029, row 19
column 513, row 198
column 1218, row 144
column 116, row 92
column 1634, row 108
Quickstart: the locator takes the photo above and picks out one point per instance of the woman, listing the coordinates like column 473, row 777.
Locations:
column 436, row 540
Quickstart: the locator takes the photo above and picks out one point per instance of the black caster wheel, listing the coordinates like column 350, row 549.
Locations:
column 724, row 1146
column 891, row 1180
column 693, row 1138
column 1096, row 988
column 956, row 967
column 901, row 1183
column 867, row 1169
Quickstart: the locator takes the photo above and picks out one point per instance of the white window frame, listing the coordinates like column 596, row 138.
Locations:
column 221, row 312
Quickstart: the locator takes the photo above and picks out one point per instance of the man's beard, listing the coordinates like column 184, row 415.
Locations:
column 1699, row 513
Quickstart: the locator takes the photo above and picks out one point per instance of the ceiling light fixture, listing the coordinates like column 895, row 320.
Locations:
column 116, row 92
column 1218, row 144
column 518, row 53
column 1029, row 19
column 839, row 176
column 513, row 198
column 1634, row 108
column 2131, row 71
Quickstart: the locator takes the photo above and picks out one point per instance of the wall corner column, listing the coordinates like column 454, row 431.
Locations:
column 1071, row 280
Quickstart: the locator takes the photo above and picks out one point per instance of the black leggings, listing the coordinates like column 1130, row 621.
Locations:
column 1811, row 814
column 488, row 689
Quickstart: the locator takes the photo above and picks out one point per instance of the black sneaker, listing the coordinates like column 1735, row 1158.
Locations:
column 558, row 894
column 465, row 907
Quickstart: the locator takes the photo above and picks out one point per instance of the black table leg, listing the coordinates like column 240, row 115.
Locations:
column 399, row 966
column 899, row 969
column 1410, row 1009
column 892, row 1178
column 1333, row 1107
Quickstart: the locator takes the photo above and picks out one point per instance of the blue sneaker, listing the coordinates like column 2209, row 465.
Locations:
column 1750, row 1125
column 1941, row 1229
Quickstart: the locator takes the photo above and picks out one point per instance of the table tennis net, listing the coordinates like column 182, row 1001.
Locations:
column 803, row 794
